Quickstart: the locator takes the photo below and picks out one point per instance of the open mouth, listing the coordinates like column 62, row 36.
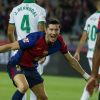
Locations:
column 53, row 38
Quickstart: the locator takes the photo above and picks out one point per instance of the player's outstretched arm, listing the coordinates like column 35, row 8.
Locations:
column 10, row 46
column 80, row 45
column 75, row 64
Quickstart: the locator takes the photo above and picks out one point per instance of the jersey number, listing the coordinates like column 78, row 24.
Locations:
column 92, row 32
column 25, row 26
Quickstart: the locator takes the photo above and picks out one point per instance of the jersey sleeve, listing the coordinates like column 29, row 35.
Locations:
column 86, row 26
column 42, row 15
column 63, row 48
column 29, row 41
column 11, row 19
column 98, row 27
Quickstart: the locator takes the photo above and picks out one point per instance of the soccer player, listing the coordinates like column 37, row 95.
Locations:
column 89, row 34
column 27, row 17
column 22, row 66
column 93, row 81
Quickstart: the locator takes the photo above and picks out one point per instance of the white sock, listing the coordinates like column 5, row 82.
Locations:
column 85, row 95
column 24, row 97
column 32, row 96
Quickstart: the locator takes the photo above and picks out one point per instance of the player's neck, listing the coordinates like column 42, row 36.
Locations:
column 29, row 1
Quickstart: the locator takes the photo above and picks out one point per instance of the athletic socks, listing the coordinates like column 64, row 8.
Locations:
column 24, row 97
column 85, row 95
column 32, row 96
column 17, row 95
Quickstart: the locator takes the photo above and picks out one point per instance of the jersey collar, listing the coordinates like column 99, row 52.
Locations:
column 29, row 1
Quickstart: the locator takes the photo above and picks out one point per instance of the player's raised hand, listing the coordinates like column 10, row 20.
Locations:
column 77, row 56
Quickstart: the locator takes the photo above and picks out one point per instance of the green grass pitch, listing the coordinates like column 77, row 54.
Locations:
column 58, row 88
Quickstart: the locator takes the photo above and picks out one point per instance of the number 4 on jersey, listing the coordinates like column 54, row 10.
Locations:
column 25, row 26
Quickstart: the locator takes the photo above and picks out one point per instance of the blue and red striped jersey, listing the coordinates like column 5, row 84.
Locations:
column 34, row 47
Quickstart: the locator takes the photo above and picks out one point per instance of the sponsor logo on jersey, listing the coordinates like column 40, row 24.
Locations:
column 18, row 68
column 25, row 40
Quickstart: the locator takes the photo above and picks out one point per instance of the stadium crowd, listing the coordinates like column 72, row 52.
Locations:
column 72, row 14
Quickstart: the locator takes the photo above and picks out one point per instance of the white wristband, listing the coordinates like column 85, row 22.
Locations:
column 86, row 76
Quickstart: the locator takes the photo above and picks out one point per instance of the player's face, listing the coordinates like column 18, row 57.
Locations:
column 52, row 32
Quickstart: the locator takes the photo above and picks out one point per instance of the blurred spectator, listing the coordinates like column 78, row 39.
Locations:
column 67, row 12
column 72, row 13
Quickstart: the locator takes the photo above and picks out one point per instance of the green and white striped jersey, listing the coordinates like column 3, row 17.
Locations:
column 26, row 17
column 91, row 29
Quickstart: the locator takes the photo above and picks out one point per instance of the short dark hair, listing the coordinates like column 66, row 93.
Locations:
column 52, row 21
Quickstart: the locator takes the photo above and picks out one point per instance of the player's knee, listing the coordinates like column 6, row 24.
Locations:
column 23, row 87
column 43, row 97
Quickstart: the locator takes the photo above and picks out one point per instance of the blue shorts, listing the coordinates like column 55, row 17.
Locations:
column 31, row 74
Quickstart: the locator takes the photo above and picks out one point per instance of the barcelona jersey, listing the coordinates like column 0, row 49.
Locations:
column 34, row 47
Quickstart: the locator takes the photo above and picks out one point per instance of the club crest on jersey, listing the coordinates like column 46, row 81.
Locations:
column 25, row 40
column 18, row 68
